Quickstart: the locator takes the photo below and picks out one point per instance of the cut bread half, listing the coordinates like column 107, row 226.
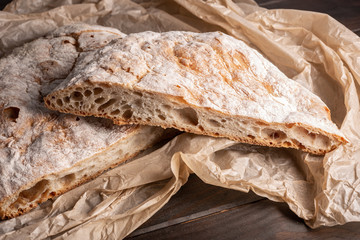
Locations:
column 204, row 83
column 45, row 153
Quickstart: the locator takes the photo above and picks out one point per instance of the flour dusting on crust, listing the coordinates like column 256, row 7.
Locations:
column 206, row 83
column 44, row 153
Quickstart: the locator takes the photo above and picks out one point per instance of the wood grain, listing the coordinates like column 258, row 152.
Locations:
column 193, row 201
column 258, row 220
column 200, row 211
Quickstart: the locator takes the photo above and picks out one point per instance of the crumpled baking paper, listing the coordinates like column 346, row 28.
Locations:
column 311, row 48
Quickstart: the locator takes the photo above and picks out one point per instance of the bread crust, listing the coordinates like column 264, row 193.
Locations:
column 39, row 147
column 213, row 74
column 134, row 135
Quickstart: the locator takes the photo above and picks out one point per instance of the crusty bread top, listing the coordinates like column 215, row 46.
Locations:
column 211, row 71
column 35, row 141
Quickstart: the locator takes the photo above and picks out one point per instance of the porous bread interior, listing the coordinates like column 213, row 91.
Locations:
column 58, row 183
column 125, row 106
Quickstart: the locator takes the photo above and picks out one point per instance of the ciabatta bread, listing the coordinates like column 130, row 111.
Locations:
column 204, row 83
column 44, row 153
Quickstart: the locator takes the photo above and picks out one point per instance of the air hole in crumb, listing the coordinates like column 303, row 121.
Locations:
column 161, row 117
column 277, row 135
column 223, row 120
column 91, row 36
column 127, row 114
column 138, row 94
column 157, row 110
column 100, row 100
column 45, row 194
column 66, row 41
column 251, row 136
column 297, row 143
column 201, row 128
column 287, row 144
column 166, row 107
column 216, row 134
column 76, row 96
column 138, row 103
column 187, row 115
column 11, row 113
column 77, row 119
column 126, row 106
column 68, row 179
column 59, row 102
column 107, row 104
column 213, row 123
column 34, row 192
column 66, row 99
column 312, row 135
column 98, row 91
column 273, row 134
column 148, row 119
column 77, row 104
column 48, row 102
column 87, row 93
column 116, row 112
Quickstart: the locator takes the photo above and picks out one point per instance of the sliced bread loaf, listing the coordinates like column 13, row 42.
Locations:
column 204, row 83
column 45, row 153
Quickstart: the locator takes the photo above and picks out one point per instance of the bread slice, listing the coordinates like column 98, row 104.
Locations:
column 45, row 153
column 204, row 83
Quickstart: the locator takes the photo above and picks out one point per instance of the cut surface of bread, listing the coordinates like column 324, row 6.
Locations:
column 45, row 153
column 204, row 83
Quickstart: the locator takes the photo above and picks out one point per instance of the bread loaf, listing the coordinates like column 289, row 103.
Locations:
column 45, row 153
column 204, row 83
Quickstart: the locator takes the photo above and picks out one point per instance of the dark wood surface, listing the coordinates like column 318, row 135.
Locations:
column 200, row 211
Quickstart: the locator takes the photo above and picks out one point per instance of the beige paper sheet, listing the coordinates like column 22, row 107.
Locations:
column 311, row 48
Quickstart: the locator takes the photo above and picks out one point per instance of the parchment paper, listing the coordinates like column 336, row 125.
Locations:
column 311, row 48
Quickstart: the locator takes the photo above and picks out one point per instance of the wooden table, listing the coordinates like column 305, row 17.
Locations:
column 200, row 211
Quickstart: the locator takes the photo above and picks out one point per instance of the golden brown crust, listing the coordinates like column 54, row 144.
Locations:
column 248, row 140
column 45, row 153
column 200, row 80
column 11, row 213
